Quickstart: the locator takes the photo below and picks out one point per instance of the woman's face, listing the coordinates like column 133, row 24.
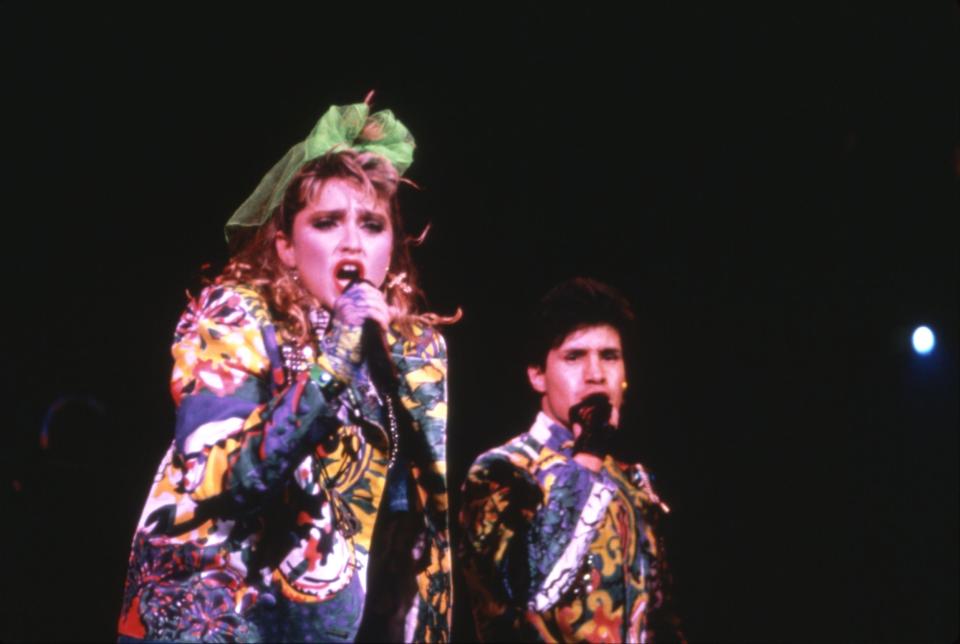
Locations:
column 344, row 232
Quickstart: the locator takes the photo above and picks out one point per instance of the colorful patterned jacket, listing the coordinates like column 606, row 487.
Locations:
column 259, row 522
column 554, row 552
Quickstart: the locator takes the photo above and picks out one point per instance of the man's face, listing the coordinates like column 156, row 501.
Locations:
column 588, row 361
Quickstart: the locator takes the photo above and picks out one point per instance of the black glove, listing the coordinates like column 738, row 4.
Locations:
column 593, row 415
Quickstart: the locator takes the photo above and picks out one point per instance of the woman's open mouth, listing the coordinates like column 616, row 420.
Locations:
column 345, row 272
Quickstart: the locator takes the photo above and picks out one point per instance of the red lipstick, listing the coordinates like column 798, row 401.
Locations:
column 345, row 271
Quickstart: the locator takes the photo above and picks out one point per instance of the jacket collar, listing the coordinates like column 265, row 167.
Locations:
column 552, row 434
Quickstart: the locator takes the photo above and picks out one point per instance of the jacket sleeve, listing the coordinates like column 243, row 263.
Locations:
column 422, row 364
column 240, row 428
column 526, row 536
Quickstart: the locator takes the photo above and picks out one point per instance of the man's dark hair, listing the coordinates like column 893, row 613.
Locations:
column 572, row 305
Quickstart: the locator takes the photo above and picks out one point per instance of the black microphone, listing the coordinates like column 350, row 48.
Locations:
column 373, row 348
column 383, row 375
column 593, row 415
column 593, row 412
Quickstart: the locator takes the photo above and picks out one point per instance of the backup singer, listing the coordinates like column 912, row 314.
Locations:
column 560, row 537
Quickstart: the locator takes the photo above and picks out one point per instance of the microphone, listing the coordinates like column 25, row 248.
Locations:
column 383, row 376
column 592, row 412
column 593, row 415
column 373, row 349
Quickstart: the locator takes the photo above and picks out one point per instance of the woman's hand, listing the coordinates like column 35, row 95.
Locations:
column 361, row 301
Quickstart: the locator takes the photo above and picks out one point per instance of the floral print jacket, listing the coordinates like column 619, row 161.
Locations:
column 259, row 522
column 554, row 552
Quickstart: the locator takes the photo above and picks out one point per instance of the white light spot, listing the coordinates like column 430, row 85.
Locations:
column 923, row 340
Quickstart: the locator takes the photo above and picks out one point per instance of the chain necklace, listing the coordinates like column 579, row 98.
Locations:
column 394, row 433
column 295, row 361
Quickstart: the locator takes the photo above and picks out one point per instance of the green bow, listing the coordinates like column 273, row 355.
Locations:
column 340, row 128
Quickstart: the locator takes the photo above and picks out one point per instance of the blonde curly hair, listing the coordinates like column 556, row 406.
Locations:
column 254, row 260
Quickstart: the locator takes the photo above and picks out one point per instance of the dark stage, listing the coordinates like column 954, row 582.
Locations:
column 774, row 190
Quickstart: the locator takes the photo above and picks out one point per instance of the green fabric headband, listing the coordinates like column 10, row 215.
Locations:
column 340, row 128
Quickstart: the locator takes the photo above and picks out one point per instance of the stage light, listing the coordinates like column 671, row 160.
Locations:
column 923, row 340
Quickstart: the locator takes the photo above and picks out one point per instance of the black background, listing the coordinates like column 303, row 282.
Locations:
column 774, row 191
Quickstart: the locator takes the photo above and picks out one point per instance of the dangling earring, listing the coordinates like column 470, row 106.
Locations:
column 294, row 275
column 398, row 281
